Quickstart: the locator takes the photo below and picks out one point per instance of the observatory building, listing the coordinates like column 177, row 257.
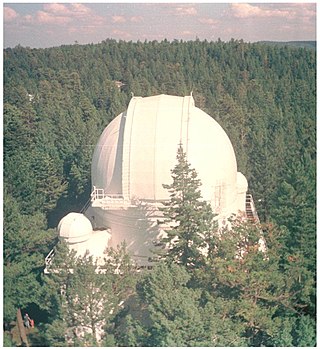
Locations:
column 134, row 158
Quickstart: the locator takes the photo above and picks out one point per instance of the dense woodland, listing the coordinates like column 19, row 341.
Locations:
column 57, row 102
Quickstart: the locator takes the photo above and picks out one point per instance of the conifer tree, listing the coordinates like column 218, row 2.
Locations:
column 190, row 218
column 85, row 295
column 25, row 244
column 261, row 295
column 173, row 308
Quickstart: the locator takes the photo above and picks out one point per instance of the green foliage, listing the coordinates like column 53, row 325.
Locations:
column 26, row 242
column 18, row 131
column 8, row 341
column 83, row 296
column 173, row 308
column 222, row 326
column 266, row 298
column 55, row 333
column 131, row 333
column 57, row 102
column 305, row 333
column 190, row 217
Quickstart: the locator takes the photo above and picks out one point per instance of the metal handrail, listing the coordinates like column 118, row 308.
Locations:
column 253, row 211
column 86, row 205
column 48, row 259
column 98, row 194
column 100, row 199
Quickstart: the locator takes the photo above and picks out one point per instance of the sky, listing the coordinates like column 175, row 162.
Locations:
column 41, row 25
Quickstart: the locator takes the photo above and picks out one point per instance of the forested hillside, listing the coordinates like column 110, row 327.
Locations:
column 57, row 102
column 296, row 44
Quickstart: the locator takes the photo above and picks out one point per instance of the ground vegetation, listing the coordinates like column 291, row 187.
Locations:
column 56, row 103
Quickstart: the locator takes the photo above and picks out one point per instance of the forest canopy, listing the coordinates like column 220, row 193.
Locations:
column 56, row 103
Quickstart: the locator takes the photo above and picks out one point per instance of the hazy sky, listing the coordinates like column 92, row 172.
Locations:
column 54, row 24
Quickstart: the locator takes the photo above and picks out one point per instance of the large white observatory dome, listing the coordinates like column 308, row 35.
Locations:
column 134, row 158
column 137, row 150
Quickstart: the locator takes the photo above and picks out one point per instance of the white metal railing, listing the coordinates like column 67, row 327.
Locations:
column 49, row 257
column 250, row 209
column 97, row 194
column 108, row 201
column 48, row 260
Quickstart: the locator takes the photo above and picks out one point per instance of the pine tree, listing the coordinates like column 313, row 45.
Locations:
column 173, row 308
column 25, row 244
column 261, row 295
column 190, row 218
column 90, row 296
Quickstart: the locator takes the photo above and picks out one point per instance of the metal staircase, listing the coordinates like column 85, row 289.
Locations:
column 251, row 212
column 48, row 260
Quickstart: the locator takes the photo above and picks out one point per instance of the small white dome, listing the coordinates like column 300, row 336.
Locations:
column 75, row 228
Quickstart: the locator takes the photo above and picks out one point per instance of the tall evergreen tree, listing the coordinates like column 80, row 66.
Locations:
column 261, row 295
column 25, row 245
column 84, row 295
column 189, row 217
column 175, row 315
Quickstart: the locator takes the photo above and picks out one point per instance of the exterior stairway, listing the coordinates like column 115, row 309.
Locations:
column 251, row 212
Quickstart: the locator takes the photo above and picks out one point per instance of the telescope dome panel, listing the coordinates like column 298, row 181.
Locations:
column 107, row 157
